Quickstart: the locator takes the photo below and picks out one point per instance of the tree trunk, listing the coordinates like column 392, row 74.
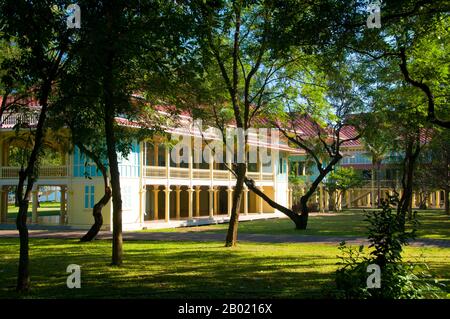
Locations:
column 98, row 218
column 292, row 214
column 411, row 154
column 231, row 239
column 23, row 278
column 97, row 210
column 109, row 119
column 115, row 184
column 331, row 201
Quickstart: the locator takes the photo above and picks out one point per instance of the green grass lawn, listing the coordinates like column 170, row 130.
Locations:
column 46, row 209
column 433, row 224
column 154, row 269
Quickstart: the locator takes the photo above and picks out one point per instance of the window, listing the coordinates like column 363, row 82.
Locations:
column 301, row 168
column 89, row 196
column 281, row 166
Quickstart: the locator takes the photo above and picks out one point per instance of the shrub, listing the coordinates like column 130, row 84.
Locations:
column 387, row 234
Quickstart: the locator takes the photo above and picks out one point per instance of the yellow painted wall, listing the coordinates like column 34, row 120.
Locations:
column 269, row 192
column 77, row 214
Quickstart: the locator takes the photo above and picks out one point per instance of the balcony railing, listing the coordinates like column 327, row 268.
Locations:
column 383, row 184
column 197, row 173
column 10, row 120
column 155, row 171
column 12, row 172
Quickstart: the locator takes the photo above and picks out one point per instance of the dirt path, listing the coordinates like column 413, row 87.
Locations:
column 205, row 237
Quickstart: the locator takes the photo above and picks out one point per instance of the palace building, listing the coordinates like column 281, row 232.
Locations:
column 159, row 190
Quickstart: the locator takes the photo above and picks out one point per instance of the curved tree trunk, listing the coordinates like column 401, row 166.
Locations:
column 299, row 213
column 292, row 214
column 97, row 210
column 98, row 218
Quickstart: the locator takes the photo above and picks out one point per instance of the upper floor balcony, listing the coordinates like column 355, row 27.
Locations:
column 158, row 172
column 10, row 120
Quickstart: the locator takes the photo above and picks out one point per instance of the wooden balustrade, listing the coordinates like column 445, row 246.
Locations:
column 11, row 172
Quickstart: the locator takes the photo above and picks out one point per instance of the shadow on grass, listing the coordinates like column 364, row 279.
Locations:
column 170, row 270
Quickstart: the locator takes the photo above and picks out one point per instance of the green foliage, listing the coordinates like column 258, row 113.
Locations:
column 399, row 280
column 344, row 178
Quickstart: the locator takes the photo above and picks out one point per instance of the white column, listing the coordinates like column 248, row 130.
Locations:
column 245, row 194
column 230, row 199
column 211, row 202
column 260, row 201
column 167, row 156
column 167, row 189
column 142, row 202
column 190, row 202
column 167, row 208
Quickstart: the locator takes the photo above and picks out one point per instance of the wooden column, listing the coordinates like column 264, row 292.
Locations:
column 178, row 190
column 321, row 202
column 197, row 201
column 260, row 201
column 155, row 201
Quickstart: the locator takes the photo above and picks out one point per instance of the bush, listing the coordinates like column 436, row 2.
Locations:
column 387, row 234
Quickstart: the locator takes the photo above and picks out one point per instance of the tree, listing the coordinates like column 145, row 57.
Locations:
column 329, row 94
column 246, row 67
column 434, row 165
column 415, row 35
column 79, row 113
column 377, row 140
column 44, row 47
column 341, row 180
column 122, row 43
